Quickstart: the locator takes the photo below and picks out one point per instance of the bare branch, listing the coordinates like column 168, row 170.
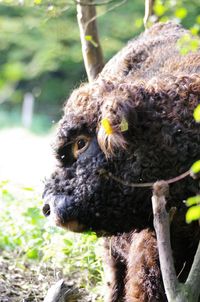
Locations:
column 106, row 11
column 91, row 49
column 193, row 280
column 107, row 174
column 174, row 290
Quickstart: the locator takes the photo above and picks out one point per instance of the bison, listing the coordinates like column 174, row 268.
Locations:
column 134, row 122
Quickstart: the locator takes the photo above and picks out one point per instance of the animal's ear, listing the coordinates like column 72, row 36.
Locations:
column 118, row 120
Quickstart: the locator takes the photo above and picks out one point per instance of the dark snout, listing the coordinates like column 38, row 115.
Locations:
column 46, row 210
column 59, row 205
column 61, row 212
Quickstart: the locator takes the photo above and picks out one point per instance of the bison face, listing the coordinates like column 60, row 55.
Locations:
column 79, row 196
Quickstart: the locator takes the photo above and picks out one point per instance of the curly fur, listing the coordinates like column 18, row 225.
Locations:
column 155, row 89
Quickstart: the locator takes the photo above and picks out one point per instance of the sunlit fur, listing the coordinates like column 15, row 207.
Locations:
column 155, row 89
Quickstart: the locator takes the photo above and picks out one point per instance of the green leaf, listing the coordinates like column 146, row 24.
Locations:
column 90, row 39
column 193, row 200
column 28, row 189
column 193, row 214
column 181, row 13
column 195, row 29
column 138, row 23
column 32, row 254
column 159, row 9
column 187, row 43
column 197, row 114
column 13, row 71
column 7, row 195
column 37, row 2
column 195, row 167
column 194, row 44
column 198, row 19
column 68, row 242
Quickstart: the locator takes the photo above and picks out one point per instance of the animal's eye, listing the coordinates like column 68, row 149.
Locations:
column 80, row 145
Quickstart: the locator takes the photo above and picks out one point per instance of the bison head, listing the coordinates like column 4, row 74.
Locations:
column 135, row 122
column 80, row 195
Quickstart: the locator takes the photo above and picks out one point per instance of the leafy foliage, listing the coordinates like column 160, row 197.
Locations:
column 179, row 10
column 41, row 51
column 185, row 12
column 23, row 229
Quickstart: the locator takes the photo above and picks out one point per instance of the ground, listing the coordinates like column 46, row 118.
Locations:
column 22, row 282
column 26, row 282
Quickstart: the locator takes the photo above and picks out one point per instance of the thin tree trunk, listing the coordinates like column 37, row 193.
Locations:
column 148, row 11
column 91, row 48
column 175, row 291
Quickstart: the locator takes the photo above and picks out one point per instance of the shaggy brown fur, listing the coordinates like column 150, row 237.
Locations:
column 155, row 90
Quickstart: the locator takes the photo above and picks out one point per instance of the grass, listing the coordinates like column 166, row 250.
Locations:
column 25, row 232
column 26, row 236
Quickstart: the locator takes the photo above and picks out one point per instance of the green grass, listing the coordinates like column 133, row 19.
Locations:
column 25, row 231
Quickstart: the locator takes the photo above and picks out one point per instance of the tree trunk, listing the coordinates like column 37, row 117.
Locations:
column 91, row 48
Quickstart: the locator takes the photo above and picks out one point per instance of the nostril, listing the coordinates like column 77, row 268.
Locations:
column 46, row 210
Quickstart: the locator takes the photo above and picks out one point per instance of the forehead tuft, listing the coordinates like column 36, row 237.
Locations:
column 82, row 101
column 80, row 112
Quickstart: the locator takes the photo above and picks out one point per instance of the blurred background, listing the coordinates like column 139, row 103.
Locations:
column 40, row 64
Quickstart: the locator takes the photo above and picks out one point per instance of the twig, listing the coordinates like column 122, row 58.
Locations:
column 141, row 185
column 118, row 4
column 193, row 280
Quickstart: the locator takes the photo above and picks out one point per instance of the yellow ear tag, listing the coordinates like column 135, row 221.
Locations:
column 107, row 126
column 123, row 125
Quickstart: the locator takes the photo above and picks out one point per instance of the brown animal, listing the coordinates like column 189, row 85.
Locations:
column 136, row 122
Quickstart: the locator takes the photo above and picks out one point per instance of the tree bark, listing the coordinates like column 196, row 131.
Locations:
column 175, row 291
column 148, row 11
column 193, row 280
column 91, row 48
